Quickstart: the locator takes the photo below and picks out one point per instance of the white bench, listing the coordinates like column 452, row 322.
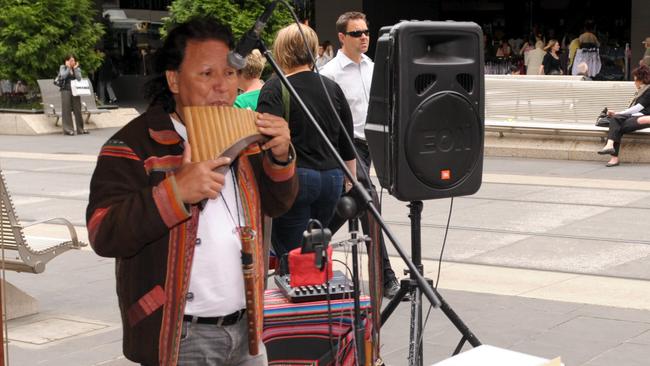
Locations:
column 556, row 105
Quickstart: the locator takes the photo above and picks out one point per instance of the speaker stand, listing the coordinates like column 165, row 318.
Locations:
column 410, row 285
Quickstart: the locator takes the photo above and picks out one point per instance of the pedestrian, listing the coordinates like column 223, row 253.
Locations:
column 180, row 284
column 504, row 49
column 551, row 61
column 535, row 59
column 70, row 104
column 631, row 119
column 107, row 72
column 321, row 179
column 325, row 54
column 352, row 70
column 249, row 81
column 588, row 52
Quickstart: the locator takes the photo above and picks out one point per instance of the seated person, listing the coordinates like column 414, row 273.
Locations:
column 583, row 70
column 629, row 120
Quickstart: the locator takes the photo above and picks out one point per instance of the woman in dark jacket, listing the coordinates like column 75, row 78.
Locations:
column 69, row 103
column 630, row 119
column 321, row 179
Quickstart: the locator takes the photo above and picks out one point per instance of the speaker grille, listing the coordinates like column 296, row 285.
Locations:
column 423, row 82
column 466, row 81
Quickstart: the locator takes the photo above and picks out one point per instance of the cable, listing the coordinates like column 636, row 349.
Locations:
column 442, row 250
column 444, row 241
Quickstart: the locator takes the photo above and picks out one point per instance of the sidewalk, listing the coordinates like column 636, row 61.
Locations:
column 545, row 314
column 550, row 258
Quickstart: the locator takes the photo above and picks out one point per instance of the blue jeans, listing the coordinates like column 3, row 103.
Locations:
column 211, row 345
column 317, row 197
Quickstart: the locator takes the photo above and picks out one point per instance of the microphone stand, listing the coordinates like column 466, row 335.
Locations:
column 358, row 187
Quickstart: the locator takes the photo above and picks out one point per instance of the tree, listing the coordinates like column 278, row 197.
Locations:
column 240, row 15
column 35, row 36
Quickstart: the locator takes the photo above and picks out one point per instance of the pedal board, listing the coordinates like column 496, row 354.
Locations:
column 339, row 287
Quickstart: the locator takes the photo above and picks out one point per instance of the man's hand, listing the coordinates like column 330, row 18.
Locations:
column 278, row 130
column 198, row 181
column 610, row 113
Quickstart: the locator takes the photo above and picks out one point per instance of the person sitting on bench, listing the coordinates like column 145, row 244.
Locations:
column 629, row 120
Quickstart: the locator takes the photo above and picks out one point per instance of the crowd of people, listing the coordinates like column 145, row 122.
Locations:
column 570, row 54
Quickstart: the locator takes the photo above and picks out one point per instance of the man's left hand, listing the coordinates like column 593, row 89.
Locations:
column 277, row 129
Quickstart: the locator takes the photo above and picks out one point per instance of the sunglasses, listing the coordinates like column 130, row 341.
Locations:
column 358, row 33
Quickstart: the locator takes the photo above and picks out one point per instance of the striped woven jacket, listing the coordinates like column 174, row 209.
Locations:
column 135, row 215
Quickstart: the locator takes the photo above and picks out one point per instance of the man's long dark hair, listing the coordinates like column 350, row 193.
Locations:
column 171, row 55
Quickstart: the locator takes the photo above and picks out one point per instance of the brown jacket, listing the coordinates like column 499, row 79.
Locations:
column 135, row 216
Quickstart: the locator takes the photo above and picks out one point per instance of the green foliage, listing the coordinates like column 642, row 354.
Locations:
column 35, row 36
column 239, row 15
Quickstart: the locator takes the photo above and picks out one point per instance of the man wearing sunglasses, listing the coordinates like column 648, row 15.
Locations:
column 352, row 70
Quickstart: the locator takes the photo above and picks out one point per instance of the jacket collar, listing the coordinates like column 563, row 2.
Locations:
column 161, row 128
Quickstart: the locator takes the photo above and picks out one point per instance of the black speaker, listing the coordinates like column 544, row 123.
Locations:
column 425, row 124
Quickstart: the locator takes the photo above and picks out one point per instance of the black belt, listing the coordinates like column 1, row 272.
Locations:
column 360, row 142
column 219, row 321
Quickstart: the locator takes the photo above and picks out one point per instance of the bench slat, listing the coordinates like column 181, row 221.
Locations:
column 12, row 239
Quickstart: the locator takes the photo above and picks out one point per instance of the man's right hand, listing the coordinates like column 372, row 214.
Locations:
column 198, row 181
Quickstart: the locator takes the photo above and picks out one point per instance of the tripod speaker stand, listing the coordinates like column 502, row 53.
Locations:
column 410, row 286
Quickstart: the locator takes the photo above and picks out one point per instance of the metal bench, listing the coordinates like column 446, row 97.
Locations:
column 18, row 255
column 52, row 101
column 552, row 105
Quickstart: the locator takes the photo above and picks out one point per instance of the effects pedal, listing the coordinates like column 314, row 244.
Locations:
column 339, row 287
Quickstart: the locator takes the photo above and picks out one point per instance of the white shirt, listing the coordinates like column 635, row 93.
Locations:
column 354, row 79
column 216, row 280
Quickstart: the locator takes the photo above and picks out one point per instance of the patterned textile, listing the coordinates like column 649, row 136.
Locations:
column 591, row 57
column 298, row 333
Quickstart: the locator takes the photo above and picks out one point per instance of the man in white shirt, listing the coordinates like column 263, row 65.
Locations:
column 352, row 70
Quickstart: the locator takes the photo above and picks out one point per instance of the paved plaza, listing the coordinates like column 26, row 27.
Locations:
column 550, row 258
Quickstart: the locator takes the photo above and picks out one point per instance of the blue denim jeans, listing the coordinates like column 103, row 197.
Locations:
column 212, row 345
column 317, row 197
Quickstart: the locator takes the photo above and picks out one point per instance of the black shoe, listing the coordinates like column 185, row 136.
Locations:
column 609, row 151
column 391, row 288
column 83, row 132
column 113, row 101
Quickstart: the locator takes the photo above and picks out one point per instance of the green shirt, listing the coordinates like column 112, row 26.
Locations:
column 248, row 100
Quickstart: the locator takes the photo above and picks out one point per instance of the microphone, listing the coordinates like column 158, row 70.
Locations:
column 248, row 42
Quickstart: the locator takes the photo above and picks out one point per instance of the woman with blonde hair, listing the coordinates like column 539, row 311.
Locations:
column 321, row 179
column 551, row 62
column 249, row 81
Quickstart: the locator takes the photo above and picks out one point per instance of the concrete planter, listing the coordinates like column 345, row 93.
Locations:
column 36, row 124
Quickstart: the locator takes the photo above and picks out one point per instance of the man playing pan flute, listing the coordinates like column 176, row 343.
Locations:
column 179, row 267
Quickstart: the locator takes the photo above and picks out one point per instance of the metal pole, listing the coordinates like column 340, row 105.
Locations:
column 358, row 324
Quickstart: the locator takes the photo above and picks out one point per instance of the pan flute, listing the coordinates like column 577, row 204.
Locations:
column 215, row 131
column 225, row 131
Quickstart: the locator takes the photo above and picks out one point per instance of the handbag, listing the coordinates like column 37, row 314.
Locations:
column 58, row 81
column 602, row 120
column 80, row 87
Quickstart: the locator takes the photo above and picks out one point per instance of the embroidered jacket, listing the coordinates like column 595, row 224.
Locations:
column 135, row 216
